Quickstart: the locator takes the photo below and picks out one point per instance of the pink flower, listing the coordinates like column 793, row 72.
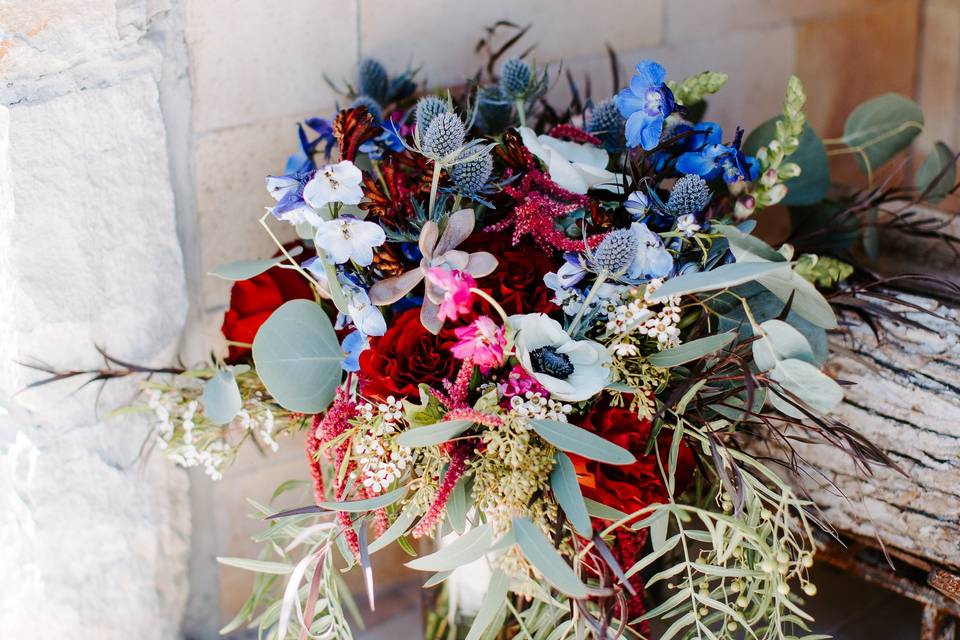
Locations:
column 481, row 342
column 519, row 382
column 455, row 287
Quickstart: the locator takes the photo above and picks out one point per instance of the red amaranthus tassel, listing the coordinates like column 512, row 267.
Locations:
column 574, row 134
column 540, row 201
column 325, row 430
column 459, row 454
column 467, row 413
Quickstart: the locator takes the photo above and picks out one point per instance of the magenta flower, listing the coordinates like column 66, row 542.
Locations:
column 454, row 285
column 481, row 343
column 518, row 382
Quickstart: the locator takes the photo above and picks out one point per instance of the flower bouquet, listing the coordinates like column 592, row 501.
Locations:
column 549, row 341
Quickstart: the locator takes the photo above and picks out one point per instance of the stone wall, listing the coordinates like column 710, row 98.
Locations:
column 134, row 138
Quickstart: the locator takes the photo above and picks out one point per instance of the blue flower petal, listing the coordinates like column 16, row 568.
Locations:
column 629, row 103
column 699, row 163
column 650, row 73
column 634, row 128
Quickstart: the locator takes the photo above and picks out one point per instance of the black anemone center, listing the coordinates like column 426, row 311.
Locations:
column 547, row 360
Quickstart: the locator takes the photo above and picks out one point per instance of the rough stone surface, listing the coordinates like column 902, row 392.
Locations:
column 93, row 539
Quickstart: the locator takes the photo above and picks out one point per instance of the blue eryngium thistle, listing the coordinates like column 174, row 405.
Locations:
column 606, row 123
column 372, row 79
column 690, row 195
column 428, row 108
column 616, row 251
column 494, row 109
column 372, row 106
column 445, row 135
column 515, row 75
column 472, row 175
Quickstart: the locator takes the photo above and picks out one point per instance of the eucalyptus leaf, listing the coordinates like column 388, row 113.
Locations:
column 728, row 275
column 812, row 386
column 880, row 128
column 457, row 505
column 813, row 182
column 494, row 601
column 438, row 578
column 940, row 160
column 472, row 545
column 398, row 528
column 298, row 356
column 749, row 243
column 246, row 269
column 808, row 303
column 432, row 434
column 563, row 481
column 367, row 504
column 221, row 397
column 602, row 511
column 779, row 341
column 693, row 350
column 569, row 437
column 546, row 559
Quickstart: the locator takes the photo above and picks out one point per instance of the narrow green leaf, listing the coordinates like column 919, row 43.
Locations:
column 472, row 545
column 457, row 505
column 941, row 160
column 693, row 350
column 602, row 511
column 494, row 600
column 569, row 437
column 437, row 578
column 563, row 481
column 432, row 434
column 257, row 566
column 398, row 528
column 246, row 269
column 546, row 559
column 368, row 504
column 298, row 356
column 750, row 243
column 724, row 276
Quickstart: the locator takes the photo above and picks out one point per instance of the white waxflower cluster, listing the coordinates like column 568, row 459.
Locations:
column 380, row 462
column 640, row 315
column 534, row 406
column 257, row 416
column 185, row 436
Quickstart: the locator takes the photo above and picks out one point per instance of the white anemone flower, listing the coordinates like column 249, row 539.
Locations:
column 575, row 167
column 347, row 238
column 571, row 370
column 334, row 183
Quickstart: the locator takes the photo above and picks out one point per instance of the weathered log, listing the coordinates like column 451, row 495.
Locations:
column 906, row 400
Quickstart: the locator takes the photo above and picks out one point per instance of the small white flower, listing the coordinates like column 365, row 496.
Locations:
column 637, row 204
column 334, row 183
column 348, row 238
column 571, row 370
column 575, row 167
column 688, row 225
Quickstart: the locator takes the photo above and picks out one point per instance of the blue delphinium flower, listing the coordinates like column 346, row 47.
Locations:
column 353, row 345
column 645, row 104
column 714, row 159
column 287, row 189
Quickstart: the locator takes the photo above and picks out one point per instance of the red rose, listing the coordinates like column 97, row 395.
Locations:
column 406, row 356
column 517, row 283
column 628, row 488
column 252, row 301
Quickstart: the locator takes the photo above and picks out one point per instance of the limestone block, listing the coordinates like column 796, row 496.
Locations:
column 94, row 540
column 253, row 60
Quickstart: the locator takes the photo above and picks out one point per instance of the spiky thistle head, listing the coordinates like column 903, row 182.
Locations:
column 690, row 195
column 445, row 135
column 494, row 109
column 372, row 79
column 372, row 106
column 470, row 176
column 428, row 108
column 606, row 123
column 515, row 76
column 616, row 251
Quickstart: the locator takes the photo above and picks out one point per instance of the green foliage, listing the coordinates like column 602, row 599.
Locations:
column 880, row 128
column 472, row 545
column 434, row 434
column 570, row 437
column 693, row 350
column 811, row 184
column 938, row 173
column 696, row 88
column 563, row 481
column 823, row 271
column 297, row 356
column 246, row 269
column 541, row 553
column 221, row 397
